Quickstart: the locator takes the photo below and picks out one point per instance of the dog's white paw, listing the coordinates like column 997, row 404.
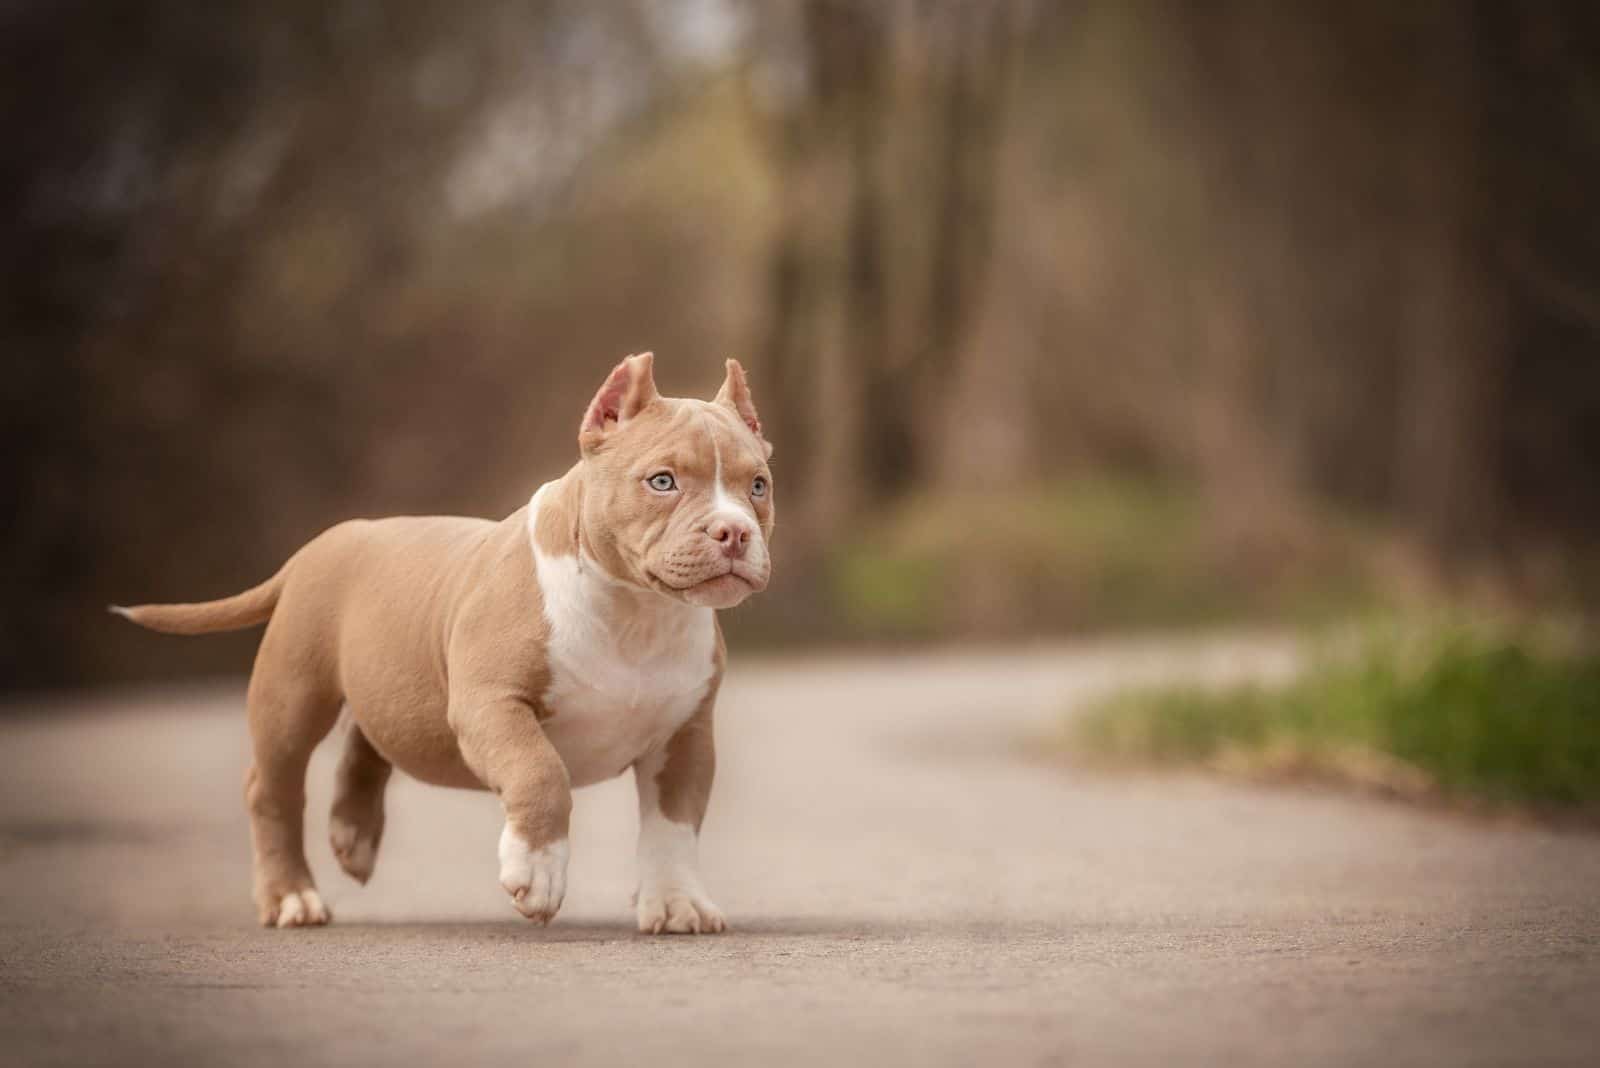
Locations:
column 536, row 879
column 670, row 898
column 355, row 848
column 300, row 908
column 677, row 910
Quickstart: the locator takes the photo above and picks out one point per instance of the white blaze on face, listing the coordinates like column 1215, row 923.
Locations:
column 738, row 509
column 721, row 503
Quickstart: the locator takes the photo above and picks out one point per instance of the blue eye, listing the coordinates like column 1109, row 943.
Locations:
column 758, row 488
column 662, row 482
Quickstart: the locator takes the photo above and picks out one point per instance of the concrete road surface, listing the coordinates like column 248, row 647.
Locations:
column 904, row 888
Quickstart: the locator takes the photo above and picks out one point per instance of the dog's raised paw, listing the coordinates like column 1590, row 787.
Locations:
column 298, row 908
column 355, row 848
column 675, row 911
column 536, row 879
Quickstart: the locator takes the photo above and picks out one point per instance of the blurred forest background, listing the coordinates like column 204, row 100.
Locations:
column 1062, row 316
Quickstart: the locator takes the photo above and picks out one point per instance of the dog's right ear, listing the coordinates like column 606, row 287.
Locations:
column 627, row 390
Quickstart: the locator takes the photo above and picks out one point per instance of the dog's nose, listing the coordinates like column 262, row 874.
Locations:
column 733, row 536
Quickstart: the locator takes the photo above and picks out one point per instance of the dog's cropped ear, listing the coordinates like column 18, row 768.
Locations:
column 630, row 386
column 735, row 394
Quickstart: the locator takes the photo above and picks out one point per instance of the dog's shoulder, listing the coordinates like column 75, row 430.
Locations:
column 498, row 624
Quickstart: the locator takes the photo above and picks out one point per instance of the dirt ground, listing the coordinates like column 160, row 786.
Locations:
column 905, row 886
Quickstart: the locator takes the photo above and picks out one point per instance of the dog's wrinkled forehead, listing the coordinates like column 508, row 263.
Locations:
column 687, row 436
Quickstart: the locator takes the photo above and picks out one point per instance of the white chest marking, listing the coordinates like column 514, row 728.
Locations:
column 627, row 666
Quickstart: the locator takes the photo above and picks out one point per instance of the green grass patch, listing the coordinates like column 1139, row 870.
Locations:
column 1459, row 714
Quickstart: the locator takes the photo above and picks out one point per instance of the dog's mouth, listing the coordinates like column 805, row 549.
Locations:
column 728, row 580
column 720, row 591
column 726, row 587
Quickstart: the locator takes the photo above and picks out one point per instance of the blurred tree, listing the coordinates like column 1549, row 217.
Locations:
column 888, row 153
column 269, row 265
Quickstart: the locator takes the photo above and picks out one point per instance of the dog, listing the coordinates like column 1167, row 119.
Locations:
column 557, row 648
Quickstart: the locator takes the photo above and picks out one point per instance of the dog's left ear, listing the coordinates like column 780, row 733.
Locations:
column 630, row 386
column 735, row 394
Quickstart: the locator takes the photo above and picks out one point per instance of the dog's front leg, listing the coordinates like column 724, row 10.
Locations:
column 674, row 784
column 505, row 747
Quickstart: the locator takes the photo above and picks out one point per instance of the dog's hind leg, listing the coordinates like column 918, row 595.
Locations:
column 355, row 826
column 290, row 712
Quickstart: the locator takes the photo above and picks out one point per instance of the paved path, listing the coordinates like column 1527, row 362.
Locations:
column 905, row 889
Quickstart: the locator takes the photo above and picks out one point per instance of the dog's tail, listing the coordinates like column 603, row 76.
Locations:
column 242, row 610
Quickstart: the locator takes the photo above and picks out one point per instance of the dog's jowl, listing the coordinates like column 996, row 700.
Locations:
column 561, row 646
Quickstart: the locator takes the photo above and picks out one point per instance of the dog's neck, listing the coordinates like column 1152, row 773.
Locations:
column 555, row 516
column 581, row 595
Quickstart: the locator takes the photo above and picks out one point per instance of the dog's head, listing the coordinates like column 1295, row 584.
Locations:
column 677, row 494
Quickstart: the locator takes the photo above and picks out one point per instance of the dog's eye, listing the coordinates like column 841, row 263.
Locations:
column 662, row 482
column 758, row 488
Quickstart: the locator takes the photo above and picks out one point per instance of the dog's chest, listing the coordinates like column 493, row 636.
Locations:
column 605, row 713
column 627, row 668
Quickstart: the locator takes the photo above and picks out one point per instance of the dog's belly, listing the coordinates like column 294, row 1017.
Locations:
column 599, row 735
column 412, row 732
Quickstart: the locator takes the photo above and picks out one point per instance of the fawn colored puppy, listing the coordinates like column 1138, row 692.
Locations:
column 559, row 647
